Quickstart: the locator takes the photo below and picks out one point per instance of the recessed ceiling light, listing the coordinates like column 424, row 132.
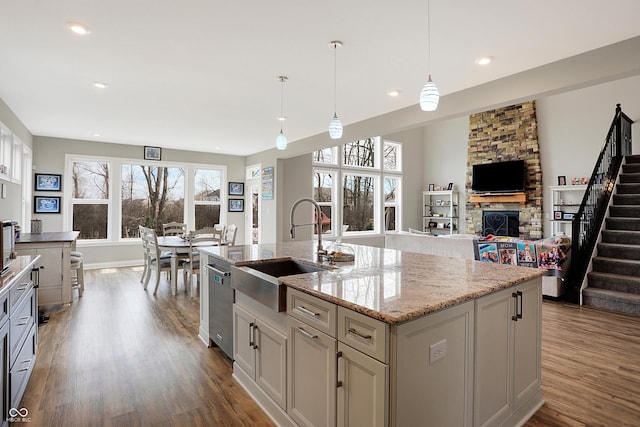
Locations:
column 484, row 60
column 217, row 148
column 77, row 28
column 101, row 85
column 282, row 118
column 96, row 134
column 393, row 93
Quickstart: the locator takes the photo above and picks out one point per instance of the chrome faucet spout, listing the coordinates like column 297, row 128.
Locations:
column 318, row 223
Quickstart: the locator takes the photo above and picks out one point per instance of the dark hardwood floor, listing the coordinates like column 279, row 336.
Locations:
column 121, row 357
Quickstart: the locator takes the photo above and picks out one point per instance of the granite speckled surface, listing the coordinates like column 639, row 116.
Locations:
column 16, row 266
column 386, row 284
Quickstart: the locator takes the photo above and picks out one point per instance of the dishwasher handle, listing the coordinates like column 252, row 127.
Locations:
column 216, row 271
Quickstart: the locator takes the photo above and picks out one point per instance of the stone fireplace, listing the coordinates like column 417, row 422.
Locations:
column 503, row 134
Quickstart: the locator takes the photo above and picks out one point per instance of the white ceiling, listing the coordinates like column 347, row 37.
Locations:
column 202, row 74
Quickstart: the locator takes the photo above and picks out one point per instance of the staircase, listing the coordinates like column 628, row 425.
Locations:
column 614, row 283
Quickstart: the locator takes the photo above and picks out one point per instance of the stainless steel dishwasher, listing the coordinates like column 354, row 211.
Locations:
column 221, row 298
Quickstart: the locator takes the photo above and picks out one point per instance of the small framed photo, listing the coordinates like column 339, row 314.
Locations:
column 47, row 182
column 42, row 204
column 236, row 189
column 562, row 180
column 450, row 186
column 432, row 187
column 433, row 224
column 152, row 153
column 557, row 214
column 236, row 205
column 567, row 215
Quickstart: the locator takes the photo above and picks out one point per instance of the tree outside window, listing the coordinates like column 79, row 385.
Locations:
column 90, row 199
column 358, row 202
column 207, row 185
column 323, row 195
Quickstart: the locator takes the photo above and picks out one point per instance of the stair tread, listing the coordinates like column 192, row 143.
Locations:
column 613, row 294
column 609, row 259
column 619, row 245
column 628, row 218
column 614, row 276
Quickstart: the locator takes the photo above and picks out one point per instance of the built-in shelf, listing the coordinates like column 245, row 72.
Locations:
column 498, row 198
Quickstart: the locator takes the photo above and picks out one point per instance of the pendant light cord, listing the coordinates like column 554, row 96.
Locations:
column 281, row 101
column 335, row 78
column 429, row 37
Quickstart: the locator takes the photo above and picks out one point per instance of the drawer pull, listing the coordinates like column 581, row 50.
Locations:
column 355, row 332
column 22, row 288
column 21, row 324
column 25, row 318
column 307, row 334
column 308, row 312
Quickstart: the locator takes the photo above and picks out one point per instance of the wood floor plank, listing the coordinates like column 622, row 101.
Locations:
column 120, row 356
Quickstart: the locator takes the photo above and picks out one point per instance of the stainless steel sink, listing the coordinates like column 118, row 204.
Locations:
column 260, row 280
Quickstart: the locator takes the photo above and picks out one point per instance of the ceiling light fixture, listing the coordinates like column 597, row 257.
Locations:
column 393, row 93
column 484, row 60
column 335, row 126
column 430, row 95
column 101, row 85
column 281, row 140
column 77, row 28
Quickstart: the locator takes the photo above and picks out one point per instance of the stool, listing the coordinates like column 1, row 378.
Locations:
column 77, row 280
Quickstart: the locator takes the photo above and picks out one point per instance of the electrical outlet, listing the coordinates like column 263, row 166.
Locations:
column 437, row 351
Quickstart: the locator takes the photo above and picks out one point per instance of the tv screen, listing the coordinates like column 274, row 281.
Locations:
column 499, row 177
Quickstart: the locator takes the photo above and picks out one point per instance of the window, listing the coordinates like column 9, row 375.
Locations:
column 369, row 198
column 90, row 199
column 206, row 198
column 146, row 193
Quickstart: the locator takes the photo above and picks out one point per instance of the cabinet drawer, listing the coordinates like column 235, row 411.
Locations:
column 18, row 291
column 364, row 333
column 315, row 312
column 21, row 370
column 21, row 320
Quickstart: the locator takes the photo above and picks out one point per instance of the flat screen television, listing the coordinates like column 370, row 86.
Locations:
column 498, row 177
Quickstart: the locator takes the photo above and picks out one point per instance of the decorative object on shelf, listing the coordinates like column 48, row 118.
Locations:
column 429, row 96
column 152, row 153
column 236, row 205
column 47, row 182
column 43, row 204
column 557, row 214
column 562, row 180
column 36, row 226
column 267, row 183
column 450, row 186
column 281, row 139
column 335, row 126
column 432, row 187
column 567, row 215
column 236, row 189
column 433, row 224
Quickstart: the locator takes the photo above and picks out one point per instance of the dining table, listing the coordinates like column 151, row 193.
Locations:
column 178, row 247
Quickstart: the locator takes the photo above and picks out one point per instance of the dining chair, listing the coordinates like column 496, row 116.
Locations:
column 154, row 259
column 230, row 235
column 209, row 236
column 174, row 229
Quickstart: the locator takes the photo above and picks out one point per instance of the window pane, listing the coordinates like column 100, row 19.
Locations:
column 207, row 185
column 91, row 221
column 322, row 186
column 90, row 180
column 359, row 197
column 326, row 156
column 391, row 156
column 390, row 218
column 151, row 196
column 326, row 220
column 360, row 153
column 207, row 215
column 390, row 187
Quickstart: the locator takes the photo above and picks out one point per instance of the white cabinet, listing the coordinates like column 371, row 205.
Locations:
column 6, row 148
column 440, row 211
column 334, row 377
column 261, row 351
column 508, row 348
column 53, row 275
column 565, row 201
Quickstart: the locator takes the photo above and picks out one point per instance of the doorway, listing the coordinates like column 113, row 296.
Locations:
column 252, row 221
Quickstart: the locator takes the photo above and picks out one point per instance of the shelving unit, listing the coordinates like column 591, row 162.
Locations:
column 565, row 199
column 440, row 208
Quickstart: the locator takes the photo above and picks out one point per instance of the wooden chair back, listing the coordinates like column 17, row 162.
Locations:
column 174, row 229
column 230, row 235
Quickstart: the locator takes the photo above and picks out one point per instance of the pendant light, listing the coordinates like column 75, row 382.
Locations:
column 430, row 95
column 281, row 140
column 335, row 126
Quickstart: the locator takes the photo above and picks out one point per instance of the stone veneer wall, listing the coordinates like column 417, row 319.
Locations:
column 509, row 133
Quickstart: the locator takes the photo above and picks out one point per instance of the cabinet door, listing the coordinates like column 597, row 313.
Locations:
column 493, row 356
column 4, row 371
column 311, row 375
column 50, row 267
column 244, row 354
column 271, row 362
column 527, row 369
column 362, row 398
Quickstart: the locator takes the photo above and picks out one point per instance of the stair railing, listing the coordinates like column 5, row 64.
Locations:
column 586, row 224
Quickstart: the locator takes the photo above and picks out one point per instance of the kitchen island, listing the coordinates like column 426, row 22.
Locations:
column 392, row 338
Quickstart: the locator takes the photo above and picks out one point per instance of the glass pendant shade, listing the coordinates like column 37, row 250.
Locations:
column 335, row 127
column 281, row 141
column 429, row 96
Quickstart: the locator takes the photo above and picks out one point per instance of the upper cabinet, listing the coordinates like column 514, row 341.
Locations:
column 11, row 161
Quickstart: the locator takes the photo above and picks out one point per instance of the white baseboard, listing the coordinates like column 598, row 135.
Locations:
column 113, row 264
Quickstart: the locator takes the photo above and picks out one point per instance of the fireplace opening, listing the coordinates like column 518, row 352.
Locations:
column 501, row 223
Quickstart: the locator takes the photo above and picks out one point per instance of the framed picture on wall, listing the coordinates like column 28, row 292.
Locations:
column 42, row 204
column 236, row 189
column 562, row 180
column 236, row 205
column 152, row 153
column 47, row 182
column 557, row 214
column 432, row 187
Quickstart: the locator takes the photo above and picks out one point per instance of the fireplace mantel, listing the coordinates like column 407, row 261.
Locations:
column 498, row 198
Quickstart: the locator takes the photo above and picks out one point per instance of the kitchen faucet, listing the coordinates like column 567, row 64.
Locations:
column 321, row 250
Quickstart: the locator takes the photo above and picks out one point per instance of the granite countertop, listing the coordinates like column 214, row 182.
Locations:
column 58, row 236
column 386, row 284
column 17, row 266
